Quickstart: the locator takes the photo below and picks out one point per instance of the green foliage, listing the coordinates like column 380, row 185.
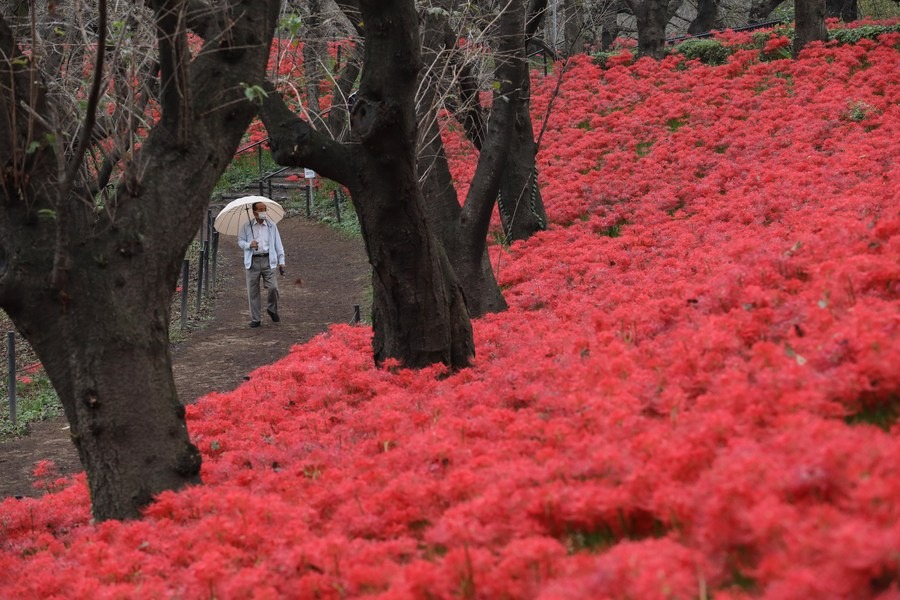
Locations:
column 713, row 52
column 879, row 9
column 677, row 123
column 643, row 148
column 602, row 58
column 35, row 401
column 707, row 51
column 858, row 111
column 244, row 170
column 882, row 414
column 869, row 32
column 254, row 93
column 614, row 230
column 323, row 209
column 292, row 24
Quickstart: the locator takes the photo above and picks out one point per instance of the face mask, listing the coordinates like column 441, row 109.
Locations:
column 261, row 215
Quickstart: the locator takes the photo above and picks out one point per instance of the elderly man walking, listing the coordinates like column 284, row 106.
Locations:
column 261, row 243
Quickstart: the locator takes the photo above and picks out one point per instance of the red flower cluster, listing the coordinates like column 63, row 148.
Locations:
column 693, row 394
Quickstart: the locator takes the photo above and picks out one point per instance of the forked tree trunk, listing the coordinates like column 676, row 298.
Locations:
column 519, row 200
column 609, row 23
column 468, row 254
column 90, row 289
column 810, row 23
column 476, row 276
column 419, row 312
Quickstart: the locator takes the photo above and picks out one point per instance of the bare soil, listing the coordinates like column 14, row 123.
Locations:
column 327, row 273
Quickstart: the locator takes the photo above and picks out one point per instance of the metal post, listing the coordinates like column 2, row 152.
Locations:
column 206, row 269
column 215, row 254
column 259, row 169
column 185, row 270
column 544, row 54
column 269, row 181
column 309, row 196
column 259, row 162
column 209, row 222
column 199, row 281
column 11, row 354
column 356, row 316
column 337, row 206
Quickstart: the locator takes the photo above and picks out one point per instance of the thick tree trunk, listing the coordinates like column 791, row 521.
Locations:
column 443, row 211
column 107, row 354
column 442, row 207
column 845, row 10
column 707, row 15
column 419, row 313
column 609, row 23
column 99, row 320
column 573, row 27
column 809, row 23
column 520, row 202
column 652, row 17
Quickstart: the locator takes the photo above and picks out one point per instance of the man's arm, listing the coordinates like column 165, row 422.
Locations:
column 279, row 248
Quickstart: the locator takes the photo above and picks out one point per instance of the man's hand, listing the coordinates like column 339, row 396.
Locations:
column 281, row 270
column 254, row 245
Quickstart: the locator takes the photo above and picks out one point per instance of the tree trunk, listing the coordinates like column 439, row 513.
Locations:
column 707, row 15
column 442, row 207
column 520, row 202
column 573, row 28
column 443, row 211
column 761, row 9
column 845, row 10
column 99, row 320
column 419, row 313
column 107, row 353
column 609, row 22
column 652, row 17
column 810, row 23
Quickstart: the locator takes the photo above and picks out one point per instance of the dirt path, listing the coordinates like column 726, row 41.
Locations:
column 334, row 274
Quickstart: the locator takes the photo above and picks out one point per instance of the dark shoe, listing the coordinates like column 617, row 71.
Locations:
column 275, row 317
column 255, row 323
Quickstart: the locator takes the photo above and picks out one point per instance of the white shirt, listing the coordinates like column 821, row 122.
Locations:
column 260, row 233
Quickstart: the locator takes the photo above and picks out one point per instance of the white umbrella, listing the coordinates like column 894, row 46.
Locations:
column 239, row 212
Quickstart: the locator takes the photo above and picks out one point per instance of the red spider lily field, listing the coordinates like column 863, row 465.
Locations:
column 694, row 393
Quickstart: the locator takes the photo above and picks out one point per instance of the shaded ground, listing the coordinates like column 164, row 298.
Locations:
column 335, row 275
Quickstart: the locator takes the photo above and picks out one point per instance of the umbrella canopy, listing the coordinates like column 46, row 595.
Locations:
column 238, row 213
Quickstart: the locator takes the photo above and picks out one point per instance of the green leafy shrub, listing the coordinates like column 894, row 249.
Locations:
column 707, row 51
column 869, row 32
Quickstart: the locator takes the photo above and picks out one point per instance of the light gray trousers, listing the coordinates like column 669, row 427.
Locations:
column 259, row 269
